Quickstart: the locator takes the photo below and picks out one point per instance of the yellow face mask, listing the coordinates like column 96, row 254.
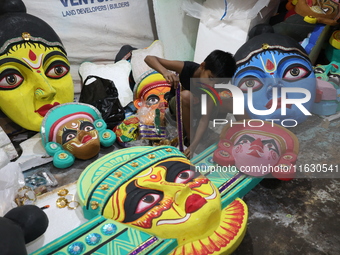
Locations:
column 33, row 79
column 169, row 200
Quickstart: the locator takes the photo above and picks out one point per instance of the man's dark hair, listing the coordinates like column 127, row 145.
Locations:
column 221, row 64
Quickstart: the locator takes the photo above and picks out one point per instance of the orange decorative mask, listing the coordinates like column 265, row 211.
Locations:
column 151, row 94
column 319, row 11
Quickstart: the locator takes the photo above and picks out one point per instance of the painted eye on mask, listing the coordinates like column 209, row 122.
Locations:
column 185, row 176
column 68, row 135
column 167, row 96
column 139, row 201
column 334, row 78
column 57, row 70
column 86, row 126
column 295, row 73
column 271, row 145
column 147, row 202
column 10, row 79
column 250, row 82
column 319, row 70
column 179, row 172
column 244, row 140
column 152, row 100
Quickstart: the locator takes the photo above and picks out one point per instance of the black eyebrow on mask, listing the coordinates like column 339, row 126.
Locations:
column 248, row 137
column 173, row 168
column 66, row 132
column 251, row 68
column 152, row 95
column 6, row 60
column 85, row 123
column 284, row 59
column 272, row 141
column 133, row 195
column 53, row 53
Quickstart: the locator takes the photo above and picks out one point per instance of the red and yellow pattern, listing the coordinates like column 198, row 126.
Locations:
column 226, row 238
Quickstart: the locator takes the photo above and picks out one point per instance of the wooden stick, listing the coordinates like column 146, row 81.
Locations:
column 179, row 118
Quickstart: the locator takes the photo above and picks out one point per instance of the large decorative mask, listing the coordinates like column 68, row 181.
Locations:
column 34, row 69
column 158, row 191
column 74, row 130
column 258, row 148
column 327, row 101
column 319, row 11
column 150, row 99
column 269, row 62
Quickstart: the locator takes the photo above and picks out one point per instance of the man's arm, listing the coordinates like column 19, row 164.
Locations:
column 164, row 67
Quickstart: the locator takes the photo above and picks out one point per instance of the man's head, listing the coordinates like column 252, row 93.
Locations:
column 219, row 64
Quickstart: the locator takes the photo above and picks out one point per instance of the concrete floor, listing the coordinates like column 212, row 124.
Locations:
column 299, row 216
column 293, row 217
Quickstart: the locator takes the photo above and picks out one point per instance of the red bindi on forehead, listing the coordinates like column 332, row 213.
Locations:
column 32, row 56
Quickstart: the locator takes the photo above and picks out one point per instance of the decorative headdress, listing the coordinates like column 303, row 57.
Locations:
column 150, row 81
column 102, row 178
column 17, row 27
column 267, row 42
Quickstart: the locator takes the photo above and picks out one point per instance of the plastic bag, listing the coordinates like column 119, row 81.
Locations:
column 103, row 94
column 127, row 131
column 216, row 10
column 11, row 180
column 152, row 124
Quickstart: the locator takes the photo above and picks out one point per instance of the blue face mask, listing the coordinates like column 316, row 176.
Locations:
column 271, row 69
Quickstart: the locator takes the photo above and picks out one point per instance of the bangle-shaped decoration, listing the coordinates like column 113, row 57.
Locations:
column 25, row 196
column 63, row 201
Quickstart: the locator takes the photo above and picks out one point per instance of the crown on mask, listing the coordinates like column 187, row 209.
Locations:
column 102, row 178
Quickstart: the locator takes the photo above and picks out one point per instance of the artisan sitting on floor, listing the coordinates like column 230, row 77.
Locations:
column 218, row 64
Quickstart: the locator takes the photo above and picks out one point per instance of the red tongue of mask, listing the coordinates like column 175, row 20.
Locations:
column 193, row 203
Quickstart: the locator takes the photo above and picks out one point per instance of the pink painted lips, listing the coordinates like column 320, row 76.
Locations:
column 45, row 108
column 86, row 138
